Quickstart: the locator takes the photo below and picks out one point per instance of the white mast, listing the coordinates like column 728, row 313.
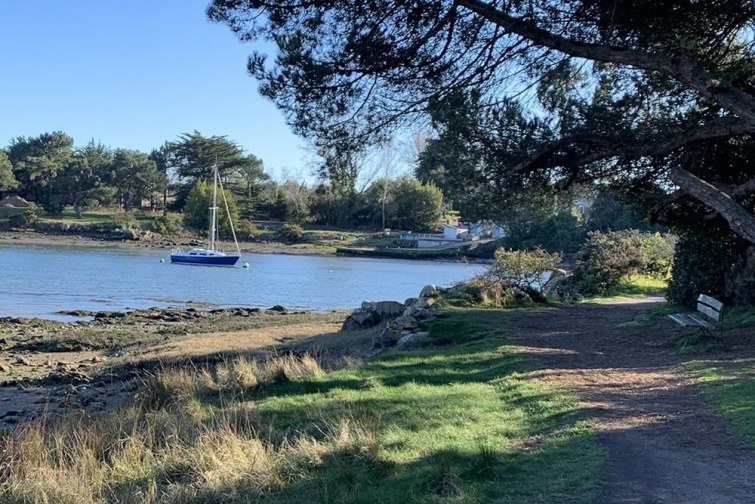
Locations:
column 214, row 208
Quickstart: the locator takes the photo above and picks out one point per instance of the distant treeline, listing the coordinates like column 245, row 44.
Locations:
column 51, row 171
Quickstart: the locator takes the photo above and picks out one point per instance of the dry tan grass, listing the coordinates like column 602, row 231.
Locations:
column 236, row 342
column 164, row 448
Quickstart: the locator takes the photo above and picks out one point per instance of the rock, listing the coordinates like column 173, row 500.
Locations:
column 384, row 309
column 425, row 302
column 372, row 313
column 279, row 309
column 10, row 413
column 412, row 340
column 410, row 301
column 387, row 338
column 550, row 288
column 23, row 362
column 428, row 291
column 407, row 322
column 436, row 313
column 415, row 312
column 360, row 319
column 4, row 368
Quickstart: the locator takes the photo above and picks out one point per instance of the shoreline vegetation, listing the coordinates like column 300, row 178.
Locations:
column 101, row 230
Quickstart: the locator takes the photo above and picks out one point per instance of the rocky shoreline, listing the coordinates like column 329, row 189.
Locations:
column 102, row 360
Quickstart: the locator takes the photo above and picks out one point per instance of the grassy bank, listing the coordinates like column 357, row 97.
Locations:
column 457, row 421
column 636, row 287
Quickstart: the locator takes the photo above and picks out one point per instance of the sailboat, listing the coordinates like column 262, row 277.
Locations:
column 211, row 256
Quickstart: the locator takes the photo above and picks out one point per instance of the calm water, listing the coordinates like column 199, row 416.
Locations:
column 37, row 282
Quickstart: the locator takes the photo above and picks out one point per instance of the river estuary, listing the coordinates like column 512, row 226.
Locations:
column 40, row 281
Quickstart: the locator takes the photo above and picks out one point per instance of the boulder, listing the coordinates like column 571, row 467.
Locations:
column 406, row 322
column 387, row 338
column 550, row 288
column 410, row 301
column 428, row 291
column 372, row 313
column 412, row 340
column 384, row 309
column 424, row 302
column 433, row 313
column 360, row 319
column 415, row 312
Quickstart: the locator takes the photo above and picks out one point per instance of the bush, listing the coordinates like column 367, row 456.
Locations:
column 17, row 221
column 24, row 220
column 704, row 258
column 167, row 224
column 608, row 259
column 247, row 230
column 292, row 233
column 31, row 214
column 125, row 221
column 521, row 269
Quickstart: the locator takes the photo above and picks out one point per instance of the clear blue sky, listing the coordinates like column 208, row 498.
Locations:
column 133, row 74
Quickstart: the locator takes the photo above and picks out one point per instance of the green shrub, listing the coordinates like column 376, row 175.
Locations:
column 608, row 259
column 24, row 220
column 247, row 230
column 167, row 224
column 125, row 221
column 291, row 233
column 17, row 221
column 31, row 214
column 521, row 269
column 704, row 258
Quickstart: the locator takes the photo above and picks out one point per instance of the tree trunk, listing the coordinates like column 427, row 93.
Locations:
column 740, row 220
column 77, row 208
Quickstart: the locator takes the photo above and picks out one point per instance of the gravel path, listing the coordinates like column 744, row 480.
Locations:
column 665, row 444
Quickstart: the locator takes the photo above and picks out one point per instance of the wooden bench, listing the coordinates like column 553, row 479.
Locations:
column 706, row 305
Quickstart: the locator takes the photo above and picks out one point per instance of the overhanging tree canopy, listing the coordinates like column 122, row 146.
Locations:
column 616, row 91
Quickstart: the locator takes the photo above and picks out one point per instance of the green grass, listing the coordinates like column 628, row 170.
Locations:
column 739, row 317
column 730, row 386
column 638, row 286
column 465, row 414
column 88, row 217
column 456, row 422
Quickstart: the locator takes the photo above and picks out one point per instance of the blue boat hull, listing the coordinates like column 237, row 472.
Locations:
column 226, row 260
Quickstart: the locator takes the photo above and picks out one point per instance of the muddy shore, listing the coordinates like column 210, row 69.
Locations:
column 49, row 367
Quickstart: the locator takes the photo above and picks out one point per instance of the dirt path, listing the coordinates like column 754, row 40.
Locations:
column 665, row 444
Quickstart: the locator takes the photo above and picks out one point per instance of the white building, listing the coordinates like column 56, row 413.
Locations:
column 455, row 232
column 485, row 229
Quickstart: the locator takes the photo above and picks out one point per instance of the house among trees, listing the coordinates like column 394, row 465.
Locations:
column 453, row 235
